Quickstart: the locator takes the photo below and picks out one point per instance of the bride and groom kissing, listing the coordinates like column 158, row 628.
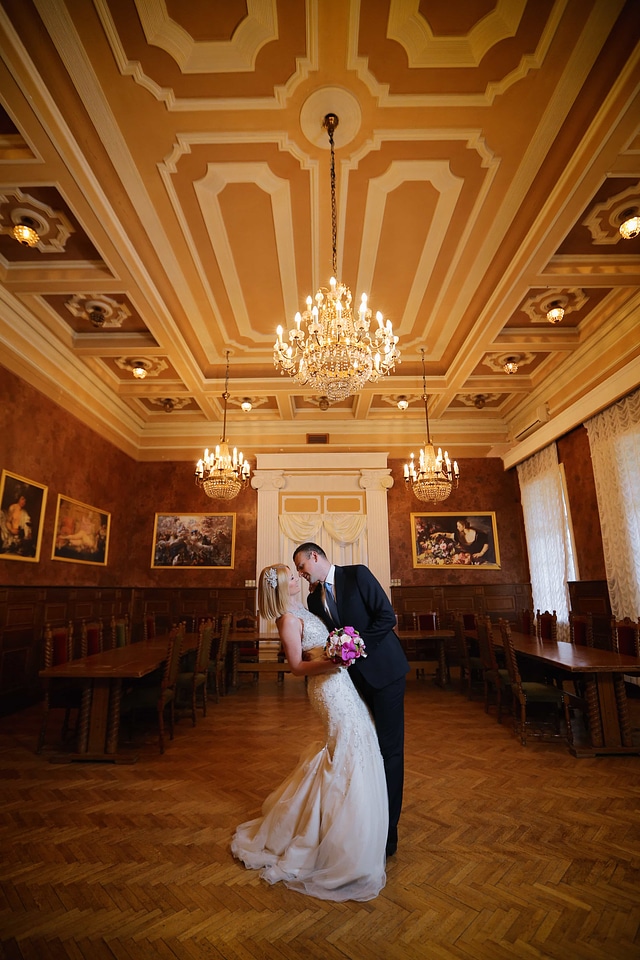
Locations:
column 328, row 829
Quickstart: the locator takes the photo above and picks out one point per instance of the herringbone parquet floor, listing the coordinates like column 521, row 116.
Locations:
column 506, row 851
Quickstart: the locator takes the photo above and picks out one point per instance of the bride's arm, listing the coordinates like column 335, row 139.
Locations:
column 290, row 631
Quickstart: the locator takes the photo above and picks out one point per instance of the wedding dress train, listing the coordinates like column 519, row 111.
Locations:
column 323, row 831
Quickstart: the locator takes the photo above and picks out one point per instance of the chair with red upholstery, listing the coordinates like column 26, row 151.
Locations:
column 626, row 637
column 546, row 625
column 92, row 636
column 581, row 629
column 527, row 622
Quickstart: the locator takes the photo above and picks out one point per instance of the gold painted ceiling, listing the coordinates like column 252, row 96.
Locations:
column 172, row 158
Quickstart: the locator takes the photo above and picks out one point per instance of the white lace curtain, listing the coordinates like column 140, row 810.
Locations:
column 341, row 535
column 544, row 522
column 614, row 439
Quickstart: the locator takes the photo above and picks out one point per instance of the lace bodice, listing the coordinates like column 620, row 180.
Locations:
column 314, row 633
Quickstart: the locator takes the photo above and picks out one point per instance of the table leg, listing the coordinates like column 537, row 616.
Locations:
column 623, row 710
column 593, row 712
column 114, row 718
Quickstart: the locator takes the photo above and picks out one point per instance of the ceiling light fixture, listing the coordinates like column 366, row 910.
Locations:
column 479, row 401
column 403, row 403
column 338, row 355
column 246, row 405
column 435, row 476
column 24, row 232
column 630, row 225
column 139, row 369
column 97, row 315
column 555, row 312
column 511, row 365
column 222, row 474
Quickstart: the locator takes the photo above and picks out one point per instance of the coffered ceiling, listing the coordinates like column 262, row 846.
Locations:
column 172, row 159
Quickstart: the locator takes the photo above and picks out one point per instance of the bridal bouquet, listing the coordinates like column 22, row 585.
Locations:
column 344, row 645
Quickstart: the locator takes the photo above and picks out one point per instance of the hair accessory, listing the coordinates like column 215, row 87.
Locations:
column 271, row 576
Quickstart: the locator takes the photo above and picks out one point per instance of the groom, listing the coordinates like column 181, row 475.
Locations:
column 352, row 597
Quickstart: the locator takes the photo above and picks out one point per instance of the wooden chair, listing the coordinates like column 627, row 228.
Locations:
column 426, row 622
column 247, row 651
column 158, row 696
column 495, row 677
column 581, row 629
column 527, row 622
column 530, row 695
column 546, row 625
column 120, row 631
column 626, row 636
column 218, row 666
column 196, row 679
column 469, row 621
column 149, row 628
column 60, row 693
column 92, row 636
column 470, row 665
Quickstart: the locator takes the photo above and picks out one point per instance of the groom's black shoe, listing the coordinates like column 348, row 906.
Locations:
column 391, row 849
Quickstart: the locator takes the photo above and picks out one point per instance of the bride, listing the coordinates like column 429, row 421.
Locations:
column 323, row 831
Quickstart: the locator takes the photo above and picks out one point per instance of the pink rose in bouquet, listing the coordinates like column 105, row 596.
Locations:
column 344, row 645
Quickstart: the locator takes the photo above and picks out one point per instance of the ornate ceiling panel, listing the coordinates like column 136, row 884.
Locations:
column 172, row 159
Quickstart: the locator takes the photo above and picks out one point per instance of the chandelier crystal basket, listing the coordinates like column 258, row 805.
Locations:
column 222, row 474
column 434, row 476
column 338, row 354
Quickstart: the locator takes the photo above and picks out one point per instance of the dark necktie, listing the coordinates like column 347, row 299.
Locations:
column 329, row 603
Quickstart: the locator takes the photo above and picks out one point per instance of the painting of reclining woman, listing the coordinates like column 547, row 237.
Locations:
column 22, row 504
column 81, row 533
column 193, row 540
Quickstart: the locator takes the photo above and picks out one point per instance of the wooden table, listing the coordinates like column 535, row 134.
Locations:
column 440, row 637
column 602, row 674
column 100, row 713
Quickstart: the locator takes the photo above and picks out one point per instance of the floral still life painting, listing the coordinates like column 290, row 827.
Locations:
column 454, row 539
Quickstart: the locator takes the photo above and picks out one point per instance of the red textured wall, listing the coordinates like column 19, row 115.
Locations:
column 575, row 454
column 44, row 443
column 484, row 487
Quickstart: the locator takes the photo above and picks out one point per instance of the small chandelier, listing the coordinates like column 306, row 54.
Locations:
column 222, row 474
column 24, row 232
column 510, row 365
column 630, row 225
column 338, row 355
column 555, row 313
column 435, row 476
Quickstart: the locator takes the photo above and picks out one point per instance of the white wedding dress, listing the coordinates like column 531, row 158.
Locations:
column 323, row 831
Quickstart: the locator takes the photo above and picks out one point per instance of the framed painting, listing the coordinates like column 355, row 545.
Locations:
column 22, row 504
column 454, row 540
column 81, row 533
column 194, row 540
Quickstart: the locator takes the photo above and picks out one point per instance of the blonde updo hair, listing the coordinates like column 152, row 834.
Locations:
column 273, row 591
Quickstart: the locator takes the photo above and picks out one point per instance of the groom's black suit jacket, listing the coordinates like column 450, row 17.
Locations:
column 363, row 604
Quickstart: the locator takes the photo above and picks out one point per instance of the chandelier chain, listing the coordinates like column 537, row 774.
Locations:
column 220, row 473
column 331, row 348
column 433, row 476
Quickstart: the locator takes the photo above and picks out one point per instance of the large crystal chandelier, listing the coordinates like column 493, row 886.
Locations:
column 220, row 473
column 337, row 355
column 434, row 476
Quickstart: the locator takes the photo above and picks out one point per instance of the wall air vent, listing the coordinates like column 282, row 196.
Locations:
column 317, row 438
